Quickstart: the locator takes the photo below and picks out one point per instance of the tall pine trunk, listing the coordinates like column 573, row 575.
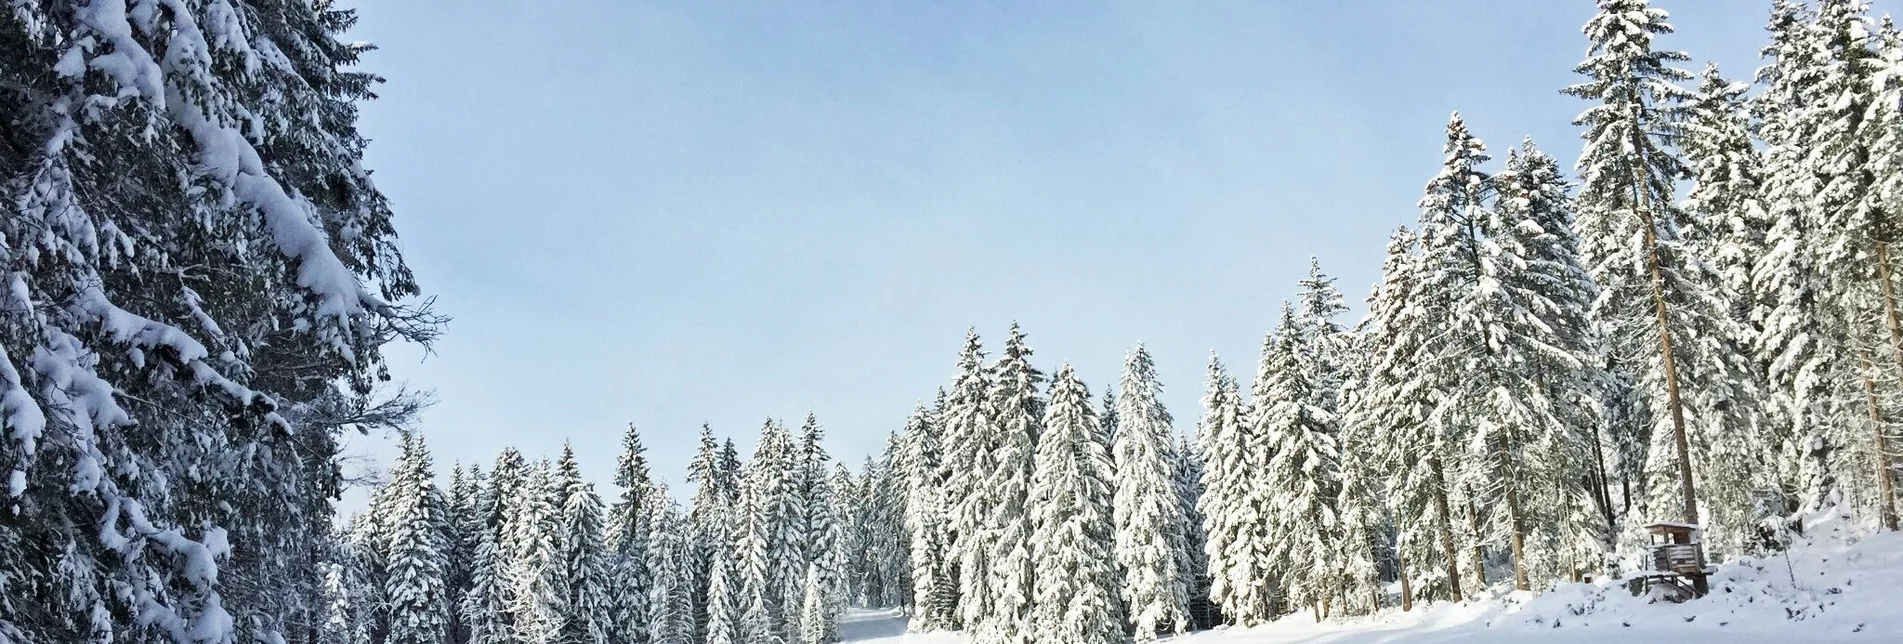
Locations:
column 1668, row 361
column 1480, row 551
column 1519, row 538
column 1447, row 534
column 1407, row 587
column 1886, row 499
column 1887, row 495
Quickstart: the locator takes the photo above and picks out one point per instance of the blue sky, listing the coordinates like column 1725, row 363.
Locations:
column 670, row 213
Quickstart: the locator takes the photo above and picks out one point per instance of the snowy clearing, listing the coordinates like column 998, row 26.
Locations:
column 1832, row 592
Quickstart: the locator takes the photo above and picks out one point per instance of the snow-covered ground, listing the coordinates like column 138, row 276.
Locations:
column 1830, row 592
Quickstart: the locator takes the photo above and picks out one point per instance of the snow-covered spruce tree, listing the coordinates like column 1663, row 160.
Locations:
column 337, row 624
column 1303, row 474
column 1194, row 562
column 670, row 593
column 1072, row 541
column 723, row 615
column 1108, row 414
column 887, row 536
column 1148, row 513
column 1795, row 346
column 1395, row 407
column 1327, row 358
column 587, row 599
column 772, row 533
column 751, row 567
column 933, row 595
column 1018, row 409
column 893, row 538
column 1727, row 217
column 969, row 441
column 463, row 508
column 1452, row 262
column 1501, row 352
column 1659, row 307
column 813, row 619
column 797, row 555
column 486, row 603
column 1887, row 157
column 183, row 188
column 1321, row 304
column 417, row 599
column 1364, row 524
column 535, row 578
column 710, row 519
column 884, row 537
column 1559, row 358
column 778, row 468
column 623, row 615
column 367, row 539
column 823, row 561
column 855, row 500
column 761, row 481
column 1232, row 503
column 1856, row 225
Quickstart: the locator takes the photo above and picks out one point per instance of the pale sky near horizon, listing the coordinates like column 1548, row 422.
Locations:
column 674, row 213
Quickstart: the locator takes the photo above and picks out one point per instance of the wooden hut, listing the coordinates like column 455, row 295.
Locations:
column 1678, row 562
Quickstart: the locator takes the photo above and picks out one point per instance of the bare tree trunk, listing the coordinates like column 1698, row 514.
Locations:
column 1519, row 539
column 1670, row 364
column 1447, row 534
column 1886, row 497
column 1480, row 552
column 1884, row 473
column 1602, row 488
column 1669, row 361
column 1407, row 587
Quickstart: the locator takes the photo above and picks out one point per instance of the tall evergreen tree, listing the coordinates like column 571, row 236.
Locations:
column 1364, row 524
column 536, row 580
column 1396, row 407
column 933, row 594
column 1562, row 367
column 1151, row 532
column 201, row 278
column 587, row 599
column 486, row 604
column 723, row 615
column 969, row 442
column 1073, row 540
column 1232, row 504
column 1194, row 562
column 1303, row 475
column 623, row 616
column 463, row 510
column 1727, row 217
column 774, row 562
column 709, row 519
column 1659, row 307
column 1018, row 411
column 1794, row 346
column 1855, row 224
column 670, row 594
column 413, row 584
column 819, row 544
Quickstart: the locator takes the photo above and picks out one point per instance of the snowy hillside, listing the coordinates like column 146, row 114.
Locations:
column 1831, row 592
